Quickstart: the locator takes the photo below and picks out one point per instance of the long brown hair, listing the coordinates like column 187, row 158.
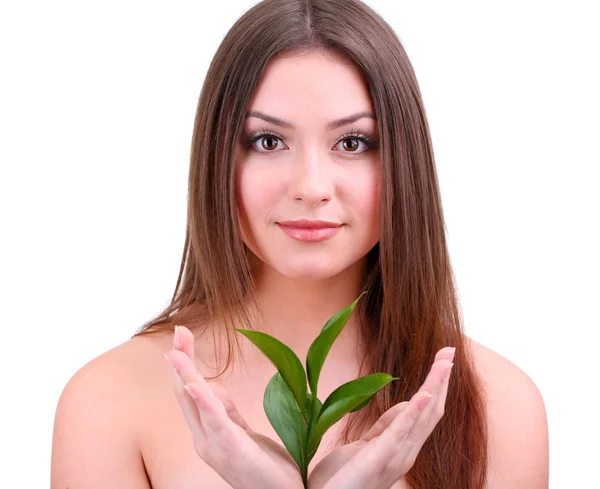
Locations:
column 411, row 309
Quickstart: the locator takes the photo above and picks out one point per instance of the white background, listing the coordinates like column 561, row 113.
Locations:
column 97, row 102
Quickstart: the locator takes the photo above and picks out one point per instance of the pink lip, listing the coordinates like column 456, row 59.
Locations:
column 311, row 234
column 306, row 223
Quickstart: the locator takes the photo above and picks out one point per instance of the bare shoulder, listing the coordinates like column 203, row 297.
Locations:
column 122, row 373
column 96, row 435
column 517, row 422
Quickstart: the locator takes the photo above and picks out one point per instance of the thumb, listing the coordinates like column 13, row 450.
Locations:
column 384, row 421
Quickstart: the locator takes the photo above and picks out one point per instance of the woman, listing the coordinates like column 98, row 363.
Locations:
column 310, row 111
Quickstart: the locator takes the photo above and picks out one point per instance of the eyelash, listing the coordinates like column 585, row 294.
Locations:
column 371, row 143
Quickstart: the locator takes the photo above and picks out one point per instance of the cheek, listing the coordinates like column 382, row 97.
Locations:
column 366, row 204
column 365, row 196
column 257, row 191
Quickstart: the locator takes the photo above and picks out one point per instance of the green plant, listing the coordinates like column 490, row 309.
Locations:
column 297, row 415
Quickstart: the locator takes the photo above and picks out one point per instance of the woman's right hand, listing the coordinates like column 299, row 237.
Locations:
column 222, row 438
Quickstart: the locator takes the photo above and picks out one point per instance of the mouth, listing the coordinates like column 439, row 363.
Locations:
column 310, row 234
column 310, row 224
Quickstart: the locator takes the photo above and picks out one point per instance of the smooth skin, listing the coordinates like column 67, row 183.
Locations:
column 247, row 459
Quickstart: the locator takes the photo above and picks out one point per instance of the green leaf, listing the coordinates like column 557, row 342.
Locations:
column 316, row 411
column 320, row 347
column 317, row 408
column 286, row 361
column 285, row 417
column 362, row 405
column 314, row 448
column 346, row 398
column 312, row 410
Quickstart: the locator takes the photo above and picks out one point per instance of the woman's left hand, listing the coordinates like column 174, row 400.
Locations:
column 381, row 458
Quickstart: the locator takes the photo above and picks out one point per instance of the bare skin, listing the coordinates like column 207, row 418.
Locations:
column 166, row 442
column 310, row 171
column 166, row 439
column 119, row 413
column 122, row 406
column 246, row 458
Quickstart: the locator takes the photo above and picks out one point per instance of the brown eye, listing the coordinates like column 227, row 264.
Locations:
column 269, row 142
column 351, row 144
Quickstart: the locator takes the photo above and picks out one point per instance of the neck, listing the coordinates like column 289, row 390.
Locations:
column 295, row 310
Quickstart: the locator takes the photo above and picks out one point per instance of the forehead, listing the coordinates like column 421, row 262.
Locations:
column 310, row 83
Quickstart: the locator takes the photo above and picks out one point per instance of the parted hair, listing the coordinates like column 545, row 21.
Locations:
column 411, row 309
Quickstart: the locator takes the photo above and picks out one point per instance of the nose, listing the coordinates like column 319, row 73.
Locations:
column 310, row 180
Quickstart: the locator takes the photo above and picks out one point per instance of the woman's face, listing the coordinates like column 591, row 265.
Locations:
column 308, row 169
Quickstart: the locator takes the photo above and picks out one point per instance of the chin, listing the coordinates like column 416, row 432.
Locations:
column 311, row 269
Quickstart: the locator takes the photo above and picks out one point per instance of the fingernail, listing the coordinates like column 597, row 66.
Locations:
column 449, row 370
column 190, row 391
column 176, row 339
column 169, row 358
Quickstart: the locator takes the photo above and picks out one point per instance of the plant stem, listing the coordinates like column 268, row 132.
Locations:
column 304, row 418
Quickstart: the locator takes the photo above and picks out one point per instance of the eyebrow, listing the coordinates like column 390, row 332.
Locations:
column 331, row 125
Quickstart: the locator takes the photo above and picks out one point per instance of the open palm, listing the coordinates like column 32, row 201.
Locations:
column 334, row 461
column 222, row 438
column 382, row 457
column 247, row 459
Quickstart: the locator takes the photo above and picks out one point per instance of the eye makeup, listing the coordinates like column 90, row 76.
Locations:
column 369, row 140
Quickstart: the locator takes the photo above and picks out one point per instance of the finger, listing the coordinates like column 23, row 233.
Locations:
column 442, row 358
column 384, row 421
column 230, row 406
column 422, row 428
column 188, row 373
column 439, row 403
column 212, row 416
column 212, row 411
column 402, row 424
column 371, row 466
column 405, row 434
column 409, row 429
column 183, row 340
column 190, row 410
column 436, row 383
